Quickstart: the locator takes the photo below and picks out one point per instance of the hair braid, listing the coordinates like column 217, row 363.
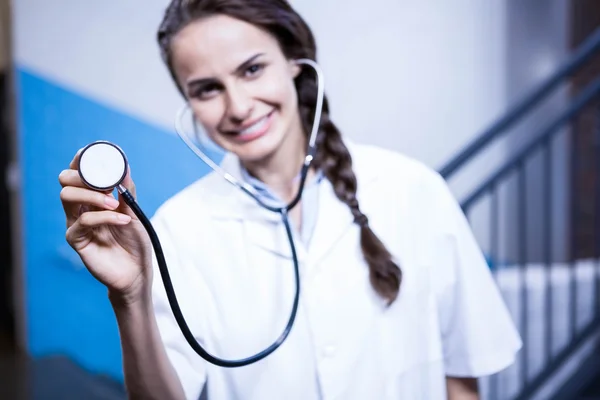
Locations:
column 334, row 160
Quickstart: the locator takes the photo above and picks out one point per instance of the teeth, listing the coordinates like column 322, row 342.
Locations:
column 257, row 126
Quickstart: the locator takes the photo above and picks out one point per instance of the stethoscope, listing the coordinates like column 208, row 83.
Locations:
column 103, row 166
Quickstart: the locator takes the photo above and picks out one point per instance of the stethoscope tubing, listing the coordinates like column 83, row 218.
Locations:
column 174, row 304
column 283, row 210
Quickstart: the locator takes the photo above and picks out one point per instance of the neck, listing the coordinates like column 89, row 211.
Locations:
column 280, row 170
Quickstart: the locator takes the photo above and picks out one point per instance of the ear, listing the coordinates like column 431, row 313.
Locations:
column 295, row 68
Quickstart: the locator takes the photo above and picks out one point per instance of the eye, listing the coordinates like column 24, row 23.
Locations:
column 253, row 70
column 205, row 92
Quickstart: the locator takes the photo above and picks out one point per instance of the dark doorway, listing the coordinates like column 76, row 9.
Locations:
column 6, row 260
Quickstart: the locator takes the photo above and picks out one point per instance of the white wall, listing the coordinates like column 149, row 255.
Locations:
column 105, row 49
column 418, row 76
column 421, row 77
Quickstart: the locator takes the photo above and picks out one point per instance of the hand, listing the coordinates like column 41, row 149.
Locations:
column 104, row 231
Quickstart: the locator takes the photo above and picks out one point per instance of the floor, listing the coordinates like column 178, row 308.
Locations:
column 12, row 372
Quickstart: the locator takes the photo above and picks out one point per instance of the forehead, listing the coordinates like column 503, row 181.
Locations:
column 213, row 44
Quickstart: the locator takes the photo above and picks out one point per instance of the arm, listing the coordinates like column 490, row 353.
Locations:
column 147, row 369
column 462, row 388
column 478, row 335
column 116, row 250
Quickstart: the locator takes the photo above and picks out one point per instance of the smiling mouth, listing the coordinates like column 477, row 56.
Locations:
column 257, row 129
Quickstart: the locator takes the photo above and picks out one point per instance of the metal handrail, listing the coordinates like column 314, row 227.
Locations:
column 582, row 54
column 587, row 95
column 517, row 163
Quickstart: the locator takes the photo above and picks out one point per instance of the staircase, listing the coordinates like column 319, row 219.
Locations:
column 554, row 299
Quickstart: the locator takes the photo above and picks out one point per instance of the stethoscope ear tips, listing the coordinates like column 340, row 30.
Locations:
column 102, row 165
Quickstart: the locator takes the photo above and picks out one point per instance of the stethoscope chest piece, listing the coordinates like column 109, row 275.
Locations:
column 102, row 165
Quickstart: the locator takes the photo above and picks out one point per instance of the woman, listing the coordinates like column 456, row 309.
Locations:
column 397, row 305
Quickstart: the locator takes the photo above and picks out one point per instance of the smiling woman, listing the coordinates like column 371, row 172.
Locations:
column 399, row 304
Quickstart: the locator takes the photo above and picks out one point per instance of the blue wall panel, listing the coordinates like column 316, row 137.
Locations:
column 67, row 310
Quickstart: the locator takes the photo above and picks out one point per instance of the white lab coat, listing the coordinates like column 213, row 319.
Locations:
column 232, row 271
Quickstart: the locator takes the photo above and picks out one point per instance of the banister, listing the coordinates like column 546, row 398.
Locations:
column 588, row 94
column 582, row 54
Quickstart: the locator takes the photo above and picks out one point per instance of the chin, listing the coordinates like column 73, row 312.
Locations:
column 257, row 150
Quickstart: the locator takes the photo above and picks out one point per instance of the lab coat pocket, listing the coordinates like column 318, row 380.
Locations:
column 423, row 381
column 411, row 343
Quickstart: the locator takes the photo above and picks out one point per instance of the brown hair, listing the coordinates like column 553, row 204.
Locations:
column 332, row 157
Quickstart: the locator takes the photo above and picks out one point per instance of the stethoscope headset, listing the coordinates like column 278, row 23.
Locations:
column 103, row 165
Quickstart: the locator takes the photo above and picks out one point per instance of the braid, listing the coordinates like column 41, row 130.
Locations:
column 334, row 160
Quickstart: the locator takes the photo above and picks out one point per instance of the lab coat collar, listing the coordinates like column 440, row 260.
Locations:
column 228, row 202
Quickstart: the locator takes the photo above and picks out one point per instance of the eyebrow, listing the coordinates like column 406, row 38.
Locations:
column 239, row 69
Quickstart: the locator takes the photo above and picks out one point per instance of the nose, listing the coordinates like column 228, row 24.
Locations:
column 239, row 104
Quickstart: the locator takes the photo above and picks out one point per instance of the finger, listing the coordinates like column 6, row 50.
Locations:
column 77, row 233
column 70, row 177
column 75, row 160
column 74, row 197
column 93, row 219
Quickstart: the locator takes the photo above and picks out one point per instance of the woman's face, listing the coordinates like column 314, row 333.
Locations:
column 239, row 85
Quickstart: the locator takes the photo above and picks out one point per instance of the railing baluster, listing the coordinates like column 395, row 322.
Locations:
column 494, row 256
column 522, row 246
column 597, row 213
column 574, row 218
column 548, row 248
column 495, row 265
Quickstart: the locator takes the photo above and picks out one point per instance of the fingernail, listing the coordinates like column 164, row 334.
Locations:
column 111, row 202
column 123, row 217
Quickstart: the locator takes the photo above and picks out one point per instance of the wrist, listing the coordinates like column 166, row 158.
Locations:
column 138, row 297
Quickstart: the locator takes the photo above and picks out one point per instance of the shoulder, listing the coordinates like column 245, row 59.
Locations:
column 395, row 170
column 391, row 183
column 191, row 202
